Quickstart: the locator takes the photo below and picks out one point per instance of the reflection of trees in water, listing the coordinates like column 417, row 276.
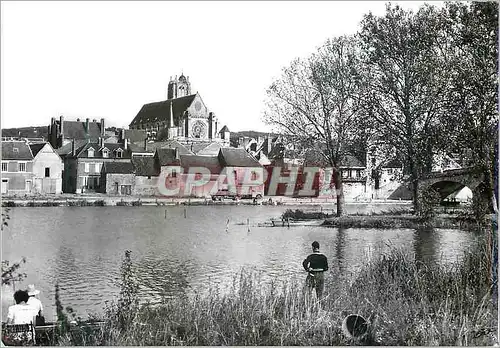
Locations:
column 340, row 249
column 425, row 245
column 163, row 277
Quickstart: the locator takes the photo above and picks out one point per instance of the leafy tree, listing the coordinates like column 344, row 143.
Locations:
column 472, row 35
column 315, row 103
column 407, row 79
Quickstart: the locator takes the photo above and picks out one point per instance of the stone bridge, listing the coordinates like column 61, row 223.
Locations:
column 452, row 180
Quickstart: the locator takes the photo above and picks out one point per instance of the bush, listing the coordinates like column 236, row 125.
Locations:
column 301, row 215
column 8, row 204
column 100, row 203
column 137, row 203
column 122, row 203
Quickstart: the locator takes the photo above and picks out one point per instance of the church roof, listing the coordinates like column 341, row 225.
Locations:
column 160, row 111
column 224, row 129
column 210, row 150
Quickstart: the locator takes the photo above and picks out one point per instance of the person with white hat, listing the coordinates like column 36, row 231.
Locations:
column 33, row 301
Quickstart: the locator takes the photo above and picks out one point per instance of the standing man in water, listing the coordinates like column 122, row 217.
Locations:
column 316, row 264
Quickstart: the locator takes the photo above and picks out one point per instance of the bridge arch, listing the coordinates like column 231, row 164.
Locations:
column 450, row 181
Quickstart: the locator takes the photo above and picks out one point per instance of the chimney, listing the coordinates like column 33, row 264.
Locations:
column 176, row 151
column 101, row 141
column 94, row 120
column 73, row 150
column 125, row 144
column 77, row 120
column 102, row 126
column 269, row 144
column 87, row 125
column 122, row 134
column 61, row 121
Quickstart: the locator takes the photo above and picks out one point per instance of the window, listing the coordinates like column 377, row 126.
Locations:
column 22, row 166
column 254, row 175
column 15, row 149
column 105, row 153
column 119, row 153
column 5, row 166
column 90, row 152
column 47, row 172
column 98, row 167
column 174, row 174
column 126, row 189
column 87, row 167
column 235, row 175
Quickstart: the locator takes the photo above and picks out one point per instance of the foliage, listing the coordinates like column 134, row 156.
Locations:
column 10, row 272
column 407, row 302
column 299, row 214
column 315, row 104
column 123, row 313
column 407, row 82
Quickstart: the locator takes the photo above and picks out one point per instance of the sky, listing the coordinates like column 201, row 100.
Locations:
column 106, row 59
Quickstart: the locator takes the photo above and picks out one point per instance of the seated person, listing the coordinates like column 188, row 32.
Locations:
column 36, row 303
column 21, row 312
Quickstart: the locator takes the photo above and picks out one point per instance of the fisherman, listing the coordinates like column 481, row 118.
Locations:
column 316, row 264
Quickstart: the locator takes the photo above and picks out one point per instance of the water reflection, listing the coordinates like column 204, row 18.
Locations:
column 425, row 244
column 340, row 242
column 83, row 248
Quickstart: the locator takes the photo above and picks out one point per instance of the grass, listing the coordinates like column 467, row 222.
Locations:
column 406, row 302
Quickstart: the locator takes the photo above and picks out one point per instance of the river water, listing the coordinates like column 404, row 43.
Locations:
column 178, row 249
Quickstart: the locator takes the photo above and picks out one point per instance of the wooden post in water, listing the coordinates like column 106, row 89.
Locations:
column 185, row 212
column 165, row 213
column 248, row 225
column 227, row 225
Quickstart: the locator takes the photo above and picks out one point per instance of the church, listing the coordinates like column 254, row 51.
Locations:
column 183, row 117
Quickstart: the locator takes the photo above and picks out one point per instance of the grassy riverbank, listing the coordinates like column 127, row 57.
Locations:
column 406, row 302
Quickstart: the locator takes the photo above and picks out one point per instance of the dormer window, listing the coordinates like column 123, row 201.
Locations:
column 119, row 153
column 90, row 152
column 105, row 153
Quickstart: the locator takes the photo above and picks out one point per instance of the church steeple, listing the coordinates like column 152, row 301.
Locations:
column 178, row 87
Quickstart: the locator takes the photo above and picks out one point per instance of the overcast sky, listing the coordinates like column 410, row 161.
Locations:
column 106, row 59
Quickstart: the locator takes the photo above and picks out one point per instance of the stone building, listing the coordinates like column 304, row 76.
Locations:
column 183, row 116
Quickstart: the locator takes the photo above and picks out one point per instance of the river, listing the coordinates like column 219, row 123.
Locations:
column 178, row 249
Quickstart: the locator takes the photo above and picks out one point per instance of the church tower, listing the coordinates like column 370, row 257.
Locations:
column 178, row 87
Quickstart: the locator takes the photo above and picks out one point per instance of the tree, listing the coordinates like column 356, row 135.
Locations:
column 407, row 83
column 316, row 104
column 472, row 32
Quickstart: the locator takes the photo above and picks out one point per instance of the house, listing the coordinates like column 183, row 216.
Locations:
column 147, row 171
column 189, row 164
column 247, row 172
column 83, row 165
column 47, row 169
column 62, row 132
column 117, row 178
column 17, row 168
